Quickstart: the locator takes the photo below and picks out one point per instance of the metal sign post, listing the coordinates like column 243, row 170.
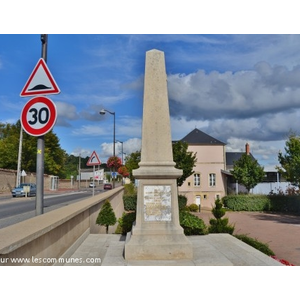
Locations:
column 39, row 115
column 39, row 206
column 94, row 161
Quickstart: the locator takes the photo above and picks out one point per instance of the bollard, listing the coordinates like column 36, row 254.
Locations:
column 199, row 207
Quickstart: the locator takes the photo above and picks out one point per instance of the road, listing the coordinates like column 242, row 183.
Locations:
column 15, row 210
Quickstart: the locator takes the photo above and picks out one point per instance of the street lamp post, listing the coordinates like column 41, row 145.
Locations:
column 102, row 112
column 121, row 150
column 122, row 157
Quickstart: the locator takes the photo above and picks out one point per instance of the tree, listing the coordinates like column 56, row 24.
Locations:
column 290, row 161
column 184, row 159
column 247, row 171
column 9, row 146
column 106, row 215
column 219, row 225
column 132, row 162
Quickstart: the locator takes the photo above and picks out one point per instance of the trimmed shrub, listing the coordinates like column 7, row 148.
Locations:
column 106, row 216
column 129, row 189
column 247, row 202
column 219, row 225
column 193, row 207
column 191, row 224
column 262, row 247
column 129, row 202
column 125, row 223
column 182, row 201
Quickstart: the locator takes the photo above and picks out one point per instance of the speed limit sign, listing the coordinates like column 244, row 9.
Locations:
column 38, row 116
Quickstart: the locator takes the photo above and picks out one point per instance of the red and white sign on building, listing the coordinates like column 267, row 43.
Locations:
column 40, row 82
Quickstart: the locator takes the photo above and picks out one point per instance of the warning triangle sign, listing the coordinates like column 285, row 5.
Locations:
column 40, row 82
column 93, row 160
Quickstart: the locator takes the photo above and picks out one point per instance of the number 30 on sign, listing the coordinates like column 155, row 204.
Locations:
column 38, row 116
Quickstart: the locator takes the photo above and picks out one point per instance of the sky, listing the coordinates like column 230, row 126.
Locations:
column 238, row 88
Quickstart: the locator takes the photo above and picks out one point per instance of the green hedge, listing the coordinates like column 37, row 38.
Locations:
column 276, row 203
column 125, row 223
column 262, row 247
column 247, row 202
column 129, row 202
column 182, row 201
column 285, row 204
column 191, row 224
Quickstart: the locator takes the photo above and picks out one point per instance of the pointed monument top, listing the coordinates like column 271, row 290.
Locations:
column 156, row 153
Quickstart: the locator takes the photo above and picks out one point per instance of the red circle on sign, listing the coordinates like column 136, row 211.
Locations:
column 38, row 116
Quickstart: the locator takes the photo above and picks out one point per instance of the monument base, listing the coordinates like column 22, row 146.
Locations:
column 157, row 234
column 158, row 247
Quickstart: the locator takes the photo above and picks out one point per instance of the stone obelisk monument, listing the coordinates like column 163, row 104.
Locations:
column 157, row 234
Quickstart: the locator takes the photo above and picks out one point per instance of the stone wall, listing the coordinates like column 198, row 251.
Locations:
column 44, row 239
column 8, row 180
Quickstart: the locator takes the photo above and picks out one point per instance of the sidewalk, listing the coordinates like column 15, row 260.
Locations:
column 280, row 231
column 209, row 250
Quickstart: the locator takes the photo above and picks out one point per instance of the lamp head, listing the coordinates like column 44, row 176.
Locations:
column 102, row 112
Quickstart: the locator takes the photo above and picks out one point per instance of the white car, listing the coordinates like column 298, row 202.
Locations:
column 92, row 185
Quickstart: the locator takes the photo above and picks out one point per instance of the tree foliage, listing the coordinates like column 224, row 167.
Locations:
column 54, row 156
column 132, row 163
column 247, row 171
column 184, row 160
column 290, row 161
column 106, row 216
column 219, row 224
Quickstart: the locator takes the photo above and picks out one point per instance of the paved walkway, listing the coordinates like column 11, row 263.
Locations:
column 209, row 250
column 280, row 231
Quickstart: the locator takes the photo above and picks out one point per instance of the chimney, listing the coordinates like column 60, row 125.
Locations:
column 247, row 148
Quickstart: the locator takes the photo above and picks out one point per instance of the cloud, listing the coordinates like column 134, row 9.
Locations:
column 65, row 112
column 259, row 104
column 90, row 130
column 129, row 146
column 81, row 152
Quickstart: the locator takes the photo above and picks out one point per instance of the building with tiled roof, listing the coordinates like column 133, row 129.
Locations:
column 212, row 177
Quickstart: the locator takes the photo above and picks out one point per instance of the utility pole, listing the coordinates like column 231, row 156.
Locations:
column 79, row 170
column 18, row 181
column 39, row 207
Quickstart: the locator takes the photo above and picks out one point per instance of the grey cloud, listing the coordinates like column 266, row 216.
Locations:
column 262, row 103
column 65, row 112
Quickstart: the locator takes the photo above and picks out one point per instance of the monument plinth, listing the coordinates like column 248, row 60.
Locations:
column 157, row 234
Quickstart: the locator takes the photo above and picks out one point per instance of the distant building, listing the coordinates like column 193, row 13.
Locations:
column 212, row 177
column 208, row 181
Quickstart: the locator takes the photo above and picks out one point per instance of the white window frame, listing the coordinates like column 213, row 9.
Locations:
column 212, row 179
column 197, row 180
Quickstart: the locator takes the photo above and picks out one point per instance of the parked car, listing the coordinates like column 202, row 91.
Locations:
column 23, row 188
column 92, row 185
column 107, row 186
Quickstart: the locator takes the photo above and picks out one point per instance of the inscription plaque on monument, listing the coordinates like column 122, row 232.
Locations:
column 157, row 203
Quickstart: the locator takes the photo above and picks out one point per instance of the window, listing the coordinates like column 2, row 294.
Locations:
column 212, row 179
column 196, row 179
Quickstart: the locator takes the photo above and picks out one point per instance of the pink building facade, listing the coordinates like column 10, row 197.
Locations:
column 209, row 180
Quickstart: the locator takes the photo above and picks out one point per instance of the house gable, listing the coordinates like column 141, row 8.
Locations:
column 198, row 137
